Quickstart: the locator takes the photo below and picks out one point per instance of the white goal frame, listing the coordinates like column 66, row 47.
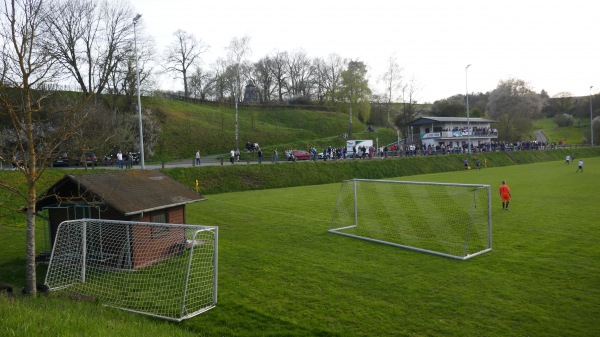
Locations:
column 163, row 270
column 447, row 219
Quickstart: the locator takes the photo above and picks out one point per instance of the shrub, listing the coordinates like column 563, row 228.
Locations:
column 563, row 120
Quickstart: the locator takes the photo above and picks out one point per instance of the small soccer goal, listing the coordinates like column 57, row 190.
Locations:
column 451, row 220
column 163, row 270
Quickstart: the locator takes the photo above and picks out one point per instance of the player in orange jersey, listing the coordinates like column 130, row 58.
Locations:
column 505, row 195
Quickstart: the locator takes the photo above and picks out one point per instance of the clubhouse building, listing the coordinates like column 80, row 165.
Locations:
column 454, row 132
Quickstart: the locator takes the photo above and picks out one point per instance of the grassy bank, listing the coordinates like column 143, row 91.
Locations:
column 232, row 178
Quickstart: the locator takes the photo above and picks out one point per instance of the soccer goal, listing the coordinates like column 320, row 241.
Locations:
column 451, row 220
column 163, row 270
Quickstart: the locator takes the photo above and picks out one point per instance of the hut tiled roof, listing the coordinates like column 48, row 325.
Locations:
column 130, row 192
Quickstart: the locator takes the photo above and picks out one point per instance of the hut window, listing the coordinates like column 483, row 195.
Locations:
column 159, row 231
column 160, row 217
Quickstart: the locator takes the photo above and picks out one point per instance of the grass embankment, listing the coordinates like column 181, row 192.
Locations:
column 282, row 274
column 575, row 134
column 187, row 127
column 232, row 178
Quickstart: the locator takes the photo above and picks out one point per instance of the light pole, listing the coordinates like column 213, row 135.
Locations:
column 137, row 80
column 468, row 119
column 591, row 118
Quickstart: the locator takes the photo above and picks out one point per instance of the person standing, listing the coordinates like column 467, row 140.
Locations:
column 275, row 156
column 478, row 163
column 504, row 195
column 466, row 162
column 232, row 156
column 580, row 164
column 259, row 156
column 198, row 158
column 568, row 160
column 120, row 159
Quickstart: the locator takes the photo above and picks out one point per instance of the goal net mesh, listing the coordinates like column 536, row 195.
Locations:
column 163, row 270
column 452, row 220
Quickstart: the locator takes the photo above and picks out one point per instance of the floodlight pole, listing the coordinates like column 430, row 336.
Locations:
column 139, row 101
column 468, row 119
column 591, row 118
column 237, row 141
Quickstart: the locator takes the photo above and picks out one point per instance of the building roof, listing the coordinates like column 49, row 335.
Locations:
column 129, row 192
column 438, row 120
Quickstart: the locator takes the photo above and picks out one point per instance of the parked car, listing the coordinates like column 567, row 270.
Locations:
column 64, row 159
column 299, row 155
column 90, row 159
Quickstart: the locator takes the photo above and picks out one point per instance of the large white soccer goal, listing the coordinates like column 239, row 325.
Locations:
column 451, row 220
column 163, row 270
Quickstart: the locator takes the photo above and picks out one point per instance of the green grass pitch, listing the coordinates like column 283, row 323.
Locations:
column 282, row 274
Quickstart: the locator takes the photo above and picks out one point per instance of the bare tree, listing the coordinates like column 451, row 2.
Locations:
column 333, row 67
column 278, row 70
column 410, row 110
column 392, row 78
column 202, row 83
column 300, row 71
column 183, row 54
column 264, row 78
column 122, row 81
column 40, row 121
column 90, row 39
column 237, row 53
column 219, row 69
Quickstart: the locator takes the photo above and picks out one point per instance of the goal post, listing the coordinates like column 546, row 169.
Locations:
column 447, row 219
column 163, row 270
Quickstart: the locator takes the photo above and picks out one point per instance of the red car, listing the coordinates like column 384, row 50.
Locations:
column 299, row 155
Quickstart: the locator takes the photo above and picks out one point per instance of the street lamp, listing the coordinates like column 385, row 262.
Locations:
column 137, row 80
column 591, row 118
column 468, row 120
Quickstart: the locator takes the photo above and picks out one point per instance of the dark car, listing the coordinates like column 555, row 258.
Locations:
column 299, row 155
column 61, row 159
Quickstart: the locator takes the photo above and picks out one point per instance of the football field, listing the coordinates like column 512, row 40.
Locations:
column 280, row 271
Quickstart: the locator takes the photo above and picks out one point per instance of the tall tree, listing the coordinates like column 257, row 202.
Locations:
column 40, row 120
column 514, row 106
column 264, row 78
column 89, row 38
column 183, row 54
column 237, row 53
column 392, row 78
column 278, row 70
column 333, row 67
column 300, row 70
column 202, row 83
column 409, row 108
column 355, row 91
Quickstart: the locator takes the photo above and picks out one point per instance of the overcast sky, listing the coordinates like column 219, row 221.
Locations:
column 552, row 45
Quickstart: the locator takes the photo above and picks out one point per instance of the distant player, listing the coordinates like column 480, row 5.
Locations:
column 580, row 164
column 466, row 162
column 568, row 160
column 478, row 163
column 504, row 195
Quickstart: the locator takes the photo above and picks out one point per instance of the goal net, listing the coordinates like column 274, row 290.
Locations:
column 451, row 220
column 163, row 270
